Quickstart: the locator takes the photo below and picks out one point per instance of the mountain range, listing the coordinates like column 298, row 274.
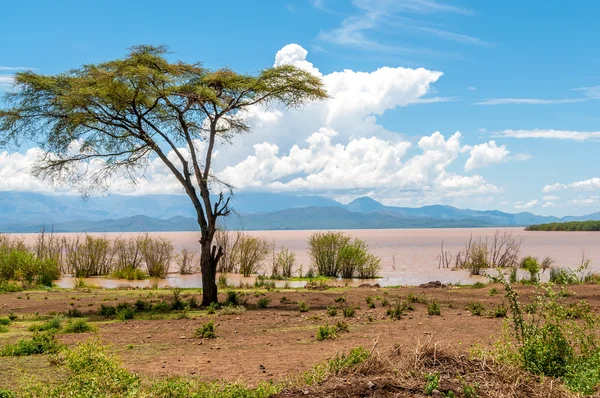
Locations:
column 28, row 212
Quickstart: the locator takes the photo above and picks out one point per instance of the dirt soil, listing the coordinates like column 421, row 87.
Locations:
column 274, row 343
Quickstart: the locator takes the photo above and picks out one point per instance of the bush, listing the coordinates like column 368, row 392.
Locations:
column 263, row 302
column 476, row 308
column 249, row 253
column 302, row 306
column 53, row 324
column 41, row 343
column 177, row 303
column 157, row 254
column 78, row 326
column 433, row 308
column 129, row 273
column 348, row 311
column 531, row 265
column 326, row 332
column 335, row 254
column 206, row 331
column 331, row 311
column 551, row 343
column 396, row 311
column 232, row 298
column 500, row 311
column 125, row 313
column 5, row 321
column 74, row 313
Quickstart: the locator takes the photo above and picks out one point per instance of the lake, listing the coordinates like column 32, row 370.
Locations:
column 408, row 256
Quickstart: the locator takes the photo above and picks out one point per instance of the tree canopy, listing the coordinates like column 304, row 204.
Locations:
column 114, row 117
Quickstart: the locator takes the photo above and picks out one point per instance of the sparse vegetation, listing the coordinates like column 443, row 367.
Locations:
column 433, row 308
column 476, row 308
column 207, row 330
column 302, row 306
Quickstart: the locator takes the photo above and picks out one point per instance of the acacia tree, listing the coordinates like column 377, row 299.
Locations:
column 113, row 118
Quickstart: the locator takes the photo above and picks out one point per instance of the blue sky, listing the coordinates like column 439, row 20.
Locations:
column 523, row 74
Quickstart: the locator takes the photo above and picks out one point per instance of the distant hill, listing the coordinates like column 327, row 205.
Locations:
column 27, row 212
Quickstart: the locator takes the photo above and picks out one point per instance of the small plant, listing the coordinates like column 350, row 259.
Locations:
column 341, row 326
column 385, row 302
column 500, row 311
column 5, row 321
column 531, row 265
column 326, row 332
column 212, row 308
column 207, row 331
column 161, row 306
column 74, row 313
column 341, row 299
column 302, row 306
column 478, row 285
column 12, row 317
column 40, row 343
column 470, row 391
column 232, row 310
column 125, row 313
column 78, row 326
column 433, row 308
column 432, row 382
column 396, row 311
column 193, row 302
column 177, row 303
column 348, row 311
column 476, row 308
column 285, row 300
column 332, row 311
column 53, row 324
column 232, row 298
column 493, row 291
column 416, row 298
column 263, row 302
column 107, row 310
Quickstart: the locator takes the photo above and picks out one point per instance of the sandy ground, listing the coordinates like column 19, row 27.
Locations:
column 261, row 344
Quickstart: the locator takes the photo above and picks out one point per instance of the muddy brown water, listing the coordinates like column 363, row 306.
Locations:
column 408, row 256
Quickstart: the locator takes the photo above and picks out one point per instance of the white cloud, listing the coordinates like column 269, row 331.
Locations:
column 528, row 205
column 6, row 81
column 591, row 92
column 486, row 154
column 550, row 134
column 471, row 88
column 549, row 204
column 583, row 201
column 550, row 198
column 586, row 185
column 334, row 147
column 528, row 101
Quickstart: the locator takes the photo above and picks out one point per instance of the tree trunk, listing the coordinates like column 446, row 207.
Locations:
column 208, row 266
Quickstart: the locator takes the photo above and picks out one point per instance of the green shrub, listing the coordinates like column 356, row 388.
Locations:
column 12, row 317
column 212, row 308
column 7, row 394
column 263, row 302
column 493, row 291
column 53, row 324
column 340, row 364
column 41, row 343
column 396, row 311
column 416, row 298
column 232, row 298
column 341, row 299
column 78, row 326
column 326, row 332
column 433, row 308
column 125, row 313
column 432, row 382
column 232, row 310
column 302, row 306
column 331, row 311
column 207, row 331
column 348, row 311
column 142, row 305
column 129, row 273
column 5, row 321
column 7, row 287
column 3, row 329
column 177, row 303
column 161, row 306
column 531, row 265
column 107, row 310
column 500, row 311
column 476, row 308
column 74, row 313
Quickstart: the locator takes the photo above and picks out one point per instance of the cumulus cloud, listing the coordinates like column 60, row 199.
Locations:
column 583, row 201
column 486, row 154
column 335, row 147
column 550, row 134
column 592, row 184
column 528, row 205
column 550, row 198
column 549, row 204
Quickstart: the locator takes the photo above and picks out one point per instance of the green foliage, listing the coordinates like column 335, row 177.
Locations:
column 500, row 311
column 396, row 311
column 302, row 306
column 125, row 312
column 212, row 308
column 493, row 291
column 7, row 394
column 207, row 331
column 566, row 226
column 232, row 310
column 476, row 308
column 248, row 254
column 532, row 265
column 129, row 273
column 5, row 321
column 478, row 285
column 263, row 302
column 334, row 254
column 78, row 326
column 25, row 266
column 433, row 308
column 340, row 299
column 177, row 303
column 348, row 311
column 331, row 311
column 556, row 340
column 53, row 324
column 41, row 343
column 416, row 298
column 432, row 382
column 3, row 329
column 7, row 287
column 232, row 298
column 326, row 332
